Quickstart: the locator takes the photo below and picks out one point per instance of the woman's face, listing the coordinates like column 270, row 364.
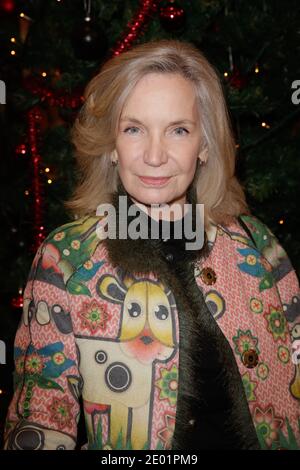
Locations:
column 159, row 140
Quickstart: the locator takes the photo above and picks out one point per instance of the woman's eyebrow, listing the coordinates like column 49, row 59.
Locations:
column 178, row 121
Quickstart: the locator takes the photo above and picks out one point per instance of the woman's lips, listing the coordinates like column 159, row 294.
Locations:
column 150, row 181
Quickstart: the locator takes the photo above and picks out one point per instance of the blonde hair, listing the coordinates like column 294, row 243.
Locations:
column 95, row 129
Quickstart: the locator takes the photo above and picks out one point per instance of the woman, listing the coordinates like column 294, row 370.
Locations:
column 169, row 347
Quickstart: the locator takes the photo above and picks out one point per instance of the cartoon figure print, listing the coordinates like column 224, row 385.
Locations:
column 118, row 374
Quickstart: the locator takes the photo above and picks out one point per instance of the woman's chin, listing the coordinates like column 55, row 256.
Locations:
column 150, row 196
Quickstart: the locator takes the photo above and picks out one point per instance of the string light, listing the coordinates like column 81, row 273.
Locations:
column 44, row 74
column 265, row 125
column 21, row 149
column 17, row 302
column 256, row 70
column 281, row 221
column 26, row 192
column 1, row 391
column 12, row 39
column 47, row 170
column 25, row 17
column 135, row 26
column 225, row 74
column 34, row 127
column 49, row 181
column 13, row 52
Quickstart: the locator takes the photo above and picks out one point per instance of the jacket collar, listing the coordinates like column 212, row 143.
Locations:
column 144, row 255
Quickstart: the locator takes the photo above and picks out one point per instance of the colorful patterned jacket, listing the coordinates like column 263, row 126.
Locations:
column 96, row 324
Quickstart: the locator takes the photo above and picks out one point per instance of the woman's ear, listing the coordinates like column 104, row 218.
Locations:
column 203, row 156
column 114, row 157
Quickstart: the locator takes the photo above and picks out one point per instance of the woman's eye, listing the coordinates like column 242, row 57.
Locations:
column 181, row 129
column 129, row 129
column 135, row 130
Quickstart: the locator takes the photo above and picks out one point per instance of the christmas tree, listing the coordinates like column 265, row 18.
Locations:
column 51, row 49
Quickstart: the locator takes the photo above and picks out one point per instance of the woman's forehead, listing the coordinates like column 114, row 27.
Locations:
column 163, row 95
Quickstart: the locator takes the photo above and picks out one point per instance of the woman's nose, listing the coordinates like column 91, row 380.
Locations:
column 155, row 153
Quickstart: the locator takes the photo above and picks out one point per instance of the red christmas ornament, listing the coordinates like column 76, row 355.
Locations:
column 172, row 17
column 237, row 80
column 7, row 6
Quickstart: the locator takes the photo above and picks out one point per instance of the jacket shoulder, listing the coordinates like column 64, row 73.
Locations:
column 250, row 230
column 73, row 228
column 260, row 233
column 71, row 245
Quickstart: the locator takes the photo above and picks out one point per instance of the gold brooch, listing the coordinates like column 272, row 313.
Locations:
column 250, row 358
column 208, row 276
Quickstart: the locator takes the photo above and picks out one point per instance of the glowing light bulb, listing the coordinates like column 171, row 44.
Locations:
column 265, row 125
